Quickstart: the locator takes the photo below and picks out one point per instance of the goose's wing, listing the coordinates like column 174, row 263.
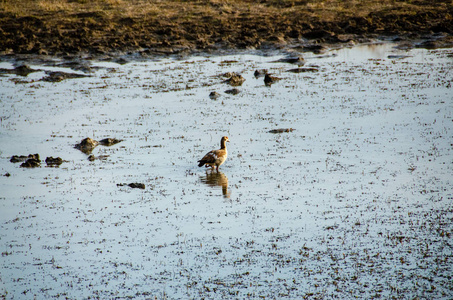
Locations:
column 209, row 158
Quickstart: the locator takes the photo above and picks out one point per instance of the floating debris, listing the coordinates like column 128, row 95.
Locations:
column 134, row 185
column 281, row 130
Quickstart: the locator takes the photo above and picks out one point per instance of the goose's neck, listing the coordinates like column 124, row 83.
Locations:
column 222, row 144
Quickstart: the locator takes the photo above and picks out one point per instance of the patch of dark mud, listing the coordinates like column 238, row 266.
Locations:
column 22, row 70
column 60, row 76
column 435, row 43
column 76, row 64
column 303, row 70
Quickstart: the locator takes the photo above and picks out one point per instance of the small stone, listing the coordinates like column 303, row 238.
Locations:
column 214, row 95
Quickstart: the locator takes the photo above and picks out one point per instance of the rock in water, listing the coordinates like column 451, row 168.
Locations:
column 87, row 145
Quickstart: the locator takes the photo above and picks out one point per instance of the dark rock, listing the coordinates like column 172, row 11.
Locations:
column 109, row 141
column 7, row 174
column 269, row 80
column 50, row 161
column 281, row 130
column 31, row 163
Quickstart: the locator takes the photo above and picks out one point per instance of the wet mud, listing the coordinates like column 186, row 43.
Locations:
column 337, row 182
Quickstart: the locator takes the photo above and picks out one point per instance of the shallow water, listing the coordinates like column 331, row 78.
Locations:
column 355, row 202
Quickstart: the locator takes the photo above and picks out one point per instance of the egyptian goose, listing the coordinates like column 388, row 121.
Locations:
column 215, row 158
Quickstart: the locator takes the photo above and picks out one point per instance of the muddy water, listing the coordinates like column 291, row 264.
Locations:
column 356, row 201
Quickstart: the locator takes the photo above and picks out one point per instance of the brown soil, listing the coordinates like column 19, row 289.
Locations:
column 103, row 26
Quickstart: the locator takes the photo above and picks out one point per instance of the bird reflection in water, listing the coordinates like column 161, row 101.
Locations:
column 217, row 179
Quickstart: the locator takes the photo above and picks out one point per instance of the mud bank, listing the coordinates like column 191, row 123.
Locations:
column 169, row 27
